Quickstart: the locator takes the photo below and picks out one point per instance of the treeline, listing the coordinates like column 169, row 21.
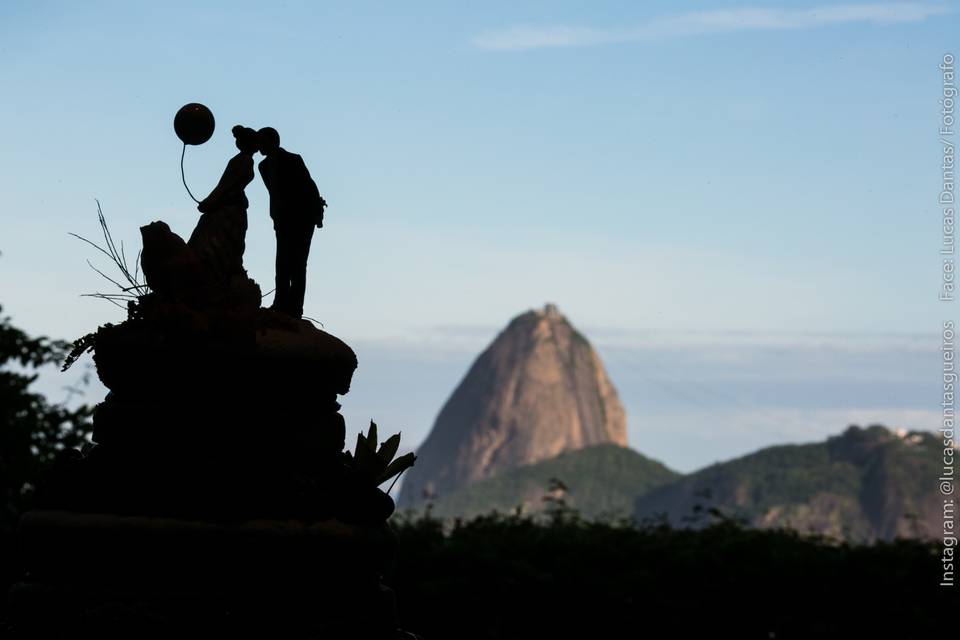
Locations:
column 562, row 576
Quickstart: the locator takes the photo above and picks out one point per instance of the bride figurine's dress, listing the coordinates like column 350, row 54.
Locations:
column 209, row 265
column 218, row 239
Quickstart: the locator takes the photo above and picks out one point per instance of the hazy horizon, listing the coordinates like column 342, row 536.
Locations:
column 692, row 398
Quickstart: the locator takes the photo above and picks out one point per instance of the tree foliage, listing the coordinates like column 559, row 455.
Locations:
column 517, row 576
column 33, row 430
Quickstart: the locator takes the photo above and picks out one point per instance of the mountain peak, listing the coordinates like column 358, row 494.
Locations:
column 538, row 390
column 547, row 316
column 551, row 312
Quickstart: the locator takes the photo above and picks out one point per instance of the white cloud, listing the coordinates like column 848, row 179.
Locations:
column 706, row 22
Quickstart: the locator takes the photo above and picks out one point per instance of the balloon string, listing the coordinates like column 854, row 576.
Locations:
column 183, row 176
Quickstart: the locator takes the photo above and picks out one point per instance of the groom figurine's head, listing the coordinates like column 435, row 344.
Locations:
column 269, row 141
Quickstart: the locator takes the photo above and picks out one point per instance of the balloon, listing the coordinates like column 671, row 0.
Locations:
column 193, row 123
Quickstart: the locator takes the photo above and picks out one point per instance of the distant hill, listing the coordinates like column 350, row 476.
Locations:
column 601, row 480
column 537, row 391
column 864, row 484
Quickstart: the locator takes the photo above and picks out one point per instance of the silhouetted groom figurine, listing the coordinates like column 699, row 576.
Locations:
column 296, row 208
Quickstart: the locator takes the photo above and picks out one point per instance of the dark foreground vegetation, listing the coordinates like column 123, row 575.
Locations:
column 517, row 577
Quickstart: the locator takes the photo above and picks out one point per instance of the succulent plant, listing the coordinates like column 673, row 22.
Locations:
column 375, row 463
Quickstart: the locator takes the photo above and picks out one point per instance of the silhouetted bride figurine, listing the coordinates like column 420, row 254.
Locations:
column 219, row 237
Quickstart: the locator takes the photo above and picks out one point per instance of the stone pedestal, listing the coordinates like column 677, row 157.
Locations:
column 217, row 500
column 97, row 575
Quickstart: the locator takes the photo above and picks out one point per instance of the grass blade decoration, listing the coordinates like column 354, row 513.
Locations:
column 135, row 288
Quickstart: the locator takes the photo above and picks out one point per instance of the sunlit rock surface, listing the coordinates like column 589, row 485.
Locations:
column 538, row 390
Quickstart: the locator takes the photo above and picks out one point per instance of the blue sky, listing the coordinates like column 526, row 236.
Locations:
column 680, row 168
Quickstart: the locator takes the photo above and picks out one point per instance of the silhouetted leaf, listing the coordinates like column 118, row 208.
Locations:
column 367, row 460
column 389, row 448
column 399, row 465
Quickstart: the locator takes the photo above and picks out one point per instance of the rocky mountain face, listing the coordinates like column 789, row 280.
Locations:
column 864, row 484
column 538, row 390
